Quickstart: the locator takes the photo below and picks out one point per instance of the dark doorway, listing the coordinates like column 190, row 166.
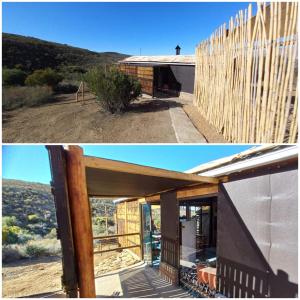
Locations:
column 198, row 225
column 198, row 257
column 165, row 82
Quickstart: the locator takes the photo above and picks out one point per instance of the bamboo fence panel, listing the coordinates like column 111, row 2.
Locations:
column 246, row 75
column 128, row 221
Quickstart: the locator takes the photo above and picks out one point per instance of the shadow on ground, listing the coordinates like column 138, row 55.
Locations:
column 152, row 105
column 138, row 282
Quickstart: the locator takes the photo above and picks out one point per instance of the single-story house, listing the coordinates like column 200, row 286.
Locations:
column 170, row 75
column 231, row 225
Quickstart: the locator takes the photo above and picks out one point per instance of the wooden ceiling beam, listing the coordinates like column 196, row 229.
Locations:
column 189, row 192
column 118, row 166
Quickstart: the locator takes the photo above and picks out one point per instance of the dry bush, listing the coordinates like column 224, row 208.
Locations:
column 44, row 247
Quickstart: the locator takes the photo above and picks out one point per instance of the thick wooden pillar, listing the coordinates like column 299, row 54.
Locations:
column 59, row 189
column 81, row 222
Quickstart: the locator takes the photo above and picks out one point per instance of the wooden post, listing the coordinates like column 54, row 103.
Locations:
column 81, row 222
column 64, row 228
column 106, row 223
column 126, row 225
column 188, row 212
column 82, row 90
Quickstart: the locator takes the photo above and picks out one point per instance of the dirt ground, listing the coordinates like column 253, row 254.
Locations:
column 67, row 121
column 33, row 277
column 208, row 131
column 29, row 277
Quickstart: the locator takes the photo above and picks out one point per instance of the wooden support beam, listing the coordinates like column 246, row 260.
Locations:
column 81, row 221
column 154, row 198
column 59, row 190
column 190, row 191
column 197, row 191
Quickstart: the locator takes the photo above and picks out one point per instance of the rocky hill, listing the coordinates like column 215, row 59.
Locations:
column 30, row 54
column 33, row 207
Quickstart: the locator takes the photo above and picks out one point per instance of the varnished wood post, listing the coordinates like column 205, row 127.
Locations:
column 81, row 222
column 59, row 189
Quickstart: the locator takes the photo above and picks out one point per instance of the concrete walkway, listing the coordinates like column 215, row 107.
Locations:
column 184, row 129
column 138, row 281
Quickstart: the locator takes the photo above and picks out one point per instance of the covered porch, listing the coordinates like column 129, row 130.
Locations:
column 76, row 177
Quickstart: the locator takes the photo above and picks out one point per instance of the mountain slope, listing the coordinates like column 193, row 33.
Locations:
column 23, row 199
column 30, row 53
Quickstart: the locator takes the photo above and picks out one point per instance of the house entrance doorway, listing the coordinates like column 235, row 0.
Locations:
column 198, row 230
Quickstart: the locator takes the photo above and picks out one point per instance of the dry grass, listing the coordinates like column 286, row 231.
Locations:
column 19, row 96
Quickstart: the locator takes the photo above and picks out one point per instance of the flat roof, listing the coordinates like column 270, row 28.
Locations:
column 161, row 59
column 252, row 158
column 110, row 178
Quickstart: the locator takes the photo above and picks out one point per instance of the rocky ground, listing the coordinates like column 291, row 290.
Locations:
column 115, row 261
column 33, row 277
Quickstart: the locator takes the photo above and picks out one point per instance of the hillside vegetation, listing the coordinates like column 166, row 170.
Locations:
column 28, row 53
column 35, row 70
column 29, row 219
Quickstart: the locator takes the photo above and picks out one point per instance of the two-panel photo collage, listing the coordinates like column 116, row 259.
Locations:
column 149, row 149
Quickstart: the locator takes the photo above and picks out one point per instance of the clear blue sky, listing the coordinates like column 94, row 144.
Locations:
column 156, row 28
column 31, row 163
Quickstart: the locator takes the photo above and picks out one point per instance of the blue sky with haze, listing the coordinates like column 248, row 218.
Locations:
column 31, row 163
column 155, row 28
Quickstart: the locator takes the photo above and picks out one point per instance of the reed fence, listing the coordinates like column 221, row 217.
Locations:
column 246, row 75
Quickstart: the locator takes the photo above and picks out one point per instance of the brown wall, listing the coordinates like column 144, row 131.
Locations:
column 143, row 74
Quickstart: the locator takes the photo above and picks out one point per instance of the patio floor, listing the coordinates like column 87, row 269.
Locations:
column 138, row 281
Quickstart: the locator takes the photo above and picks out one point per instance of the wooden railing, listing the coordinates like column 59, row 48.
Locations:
column 116, row 236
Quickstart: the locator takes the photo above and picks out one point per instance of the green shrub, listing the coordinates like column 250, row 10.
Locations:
column 66, row 88
column 10, row 234
column 113, row 89
column 10, row 253
column 24, row 236
column 33, row 250
column 52, row 234
column 9, row 221
column 33, row 218
column 14, row 97
column 47, row 77
column 13, row 77
column 43, row 247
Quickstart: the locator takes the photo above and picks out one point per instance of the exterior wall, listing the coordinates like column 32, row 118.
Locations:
column 143, row 73
column 257, row 242
column 185, row 75
column 128, row 221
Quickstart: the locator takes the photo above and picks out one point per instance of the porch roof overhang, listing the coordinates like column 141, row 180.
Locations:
column 159, row 60
column 110, row 178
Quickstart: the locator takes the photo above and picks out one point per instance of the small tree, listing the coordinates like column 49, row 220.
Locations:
column 114, row 90
column 47, row 77
column 13, row 77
